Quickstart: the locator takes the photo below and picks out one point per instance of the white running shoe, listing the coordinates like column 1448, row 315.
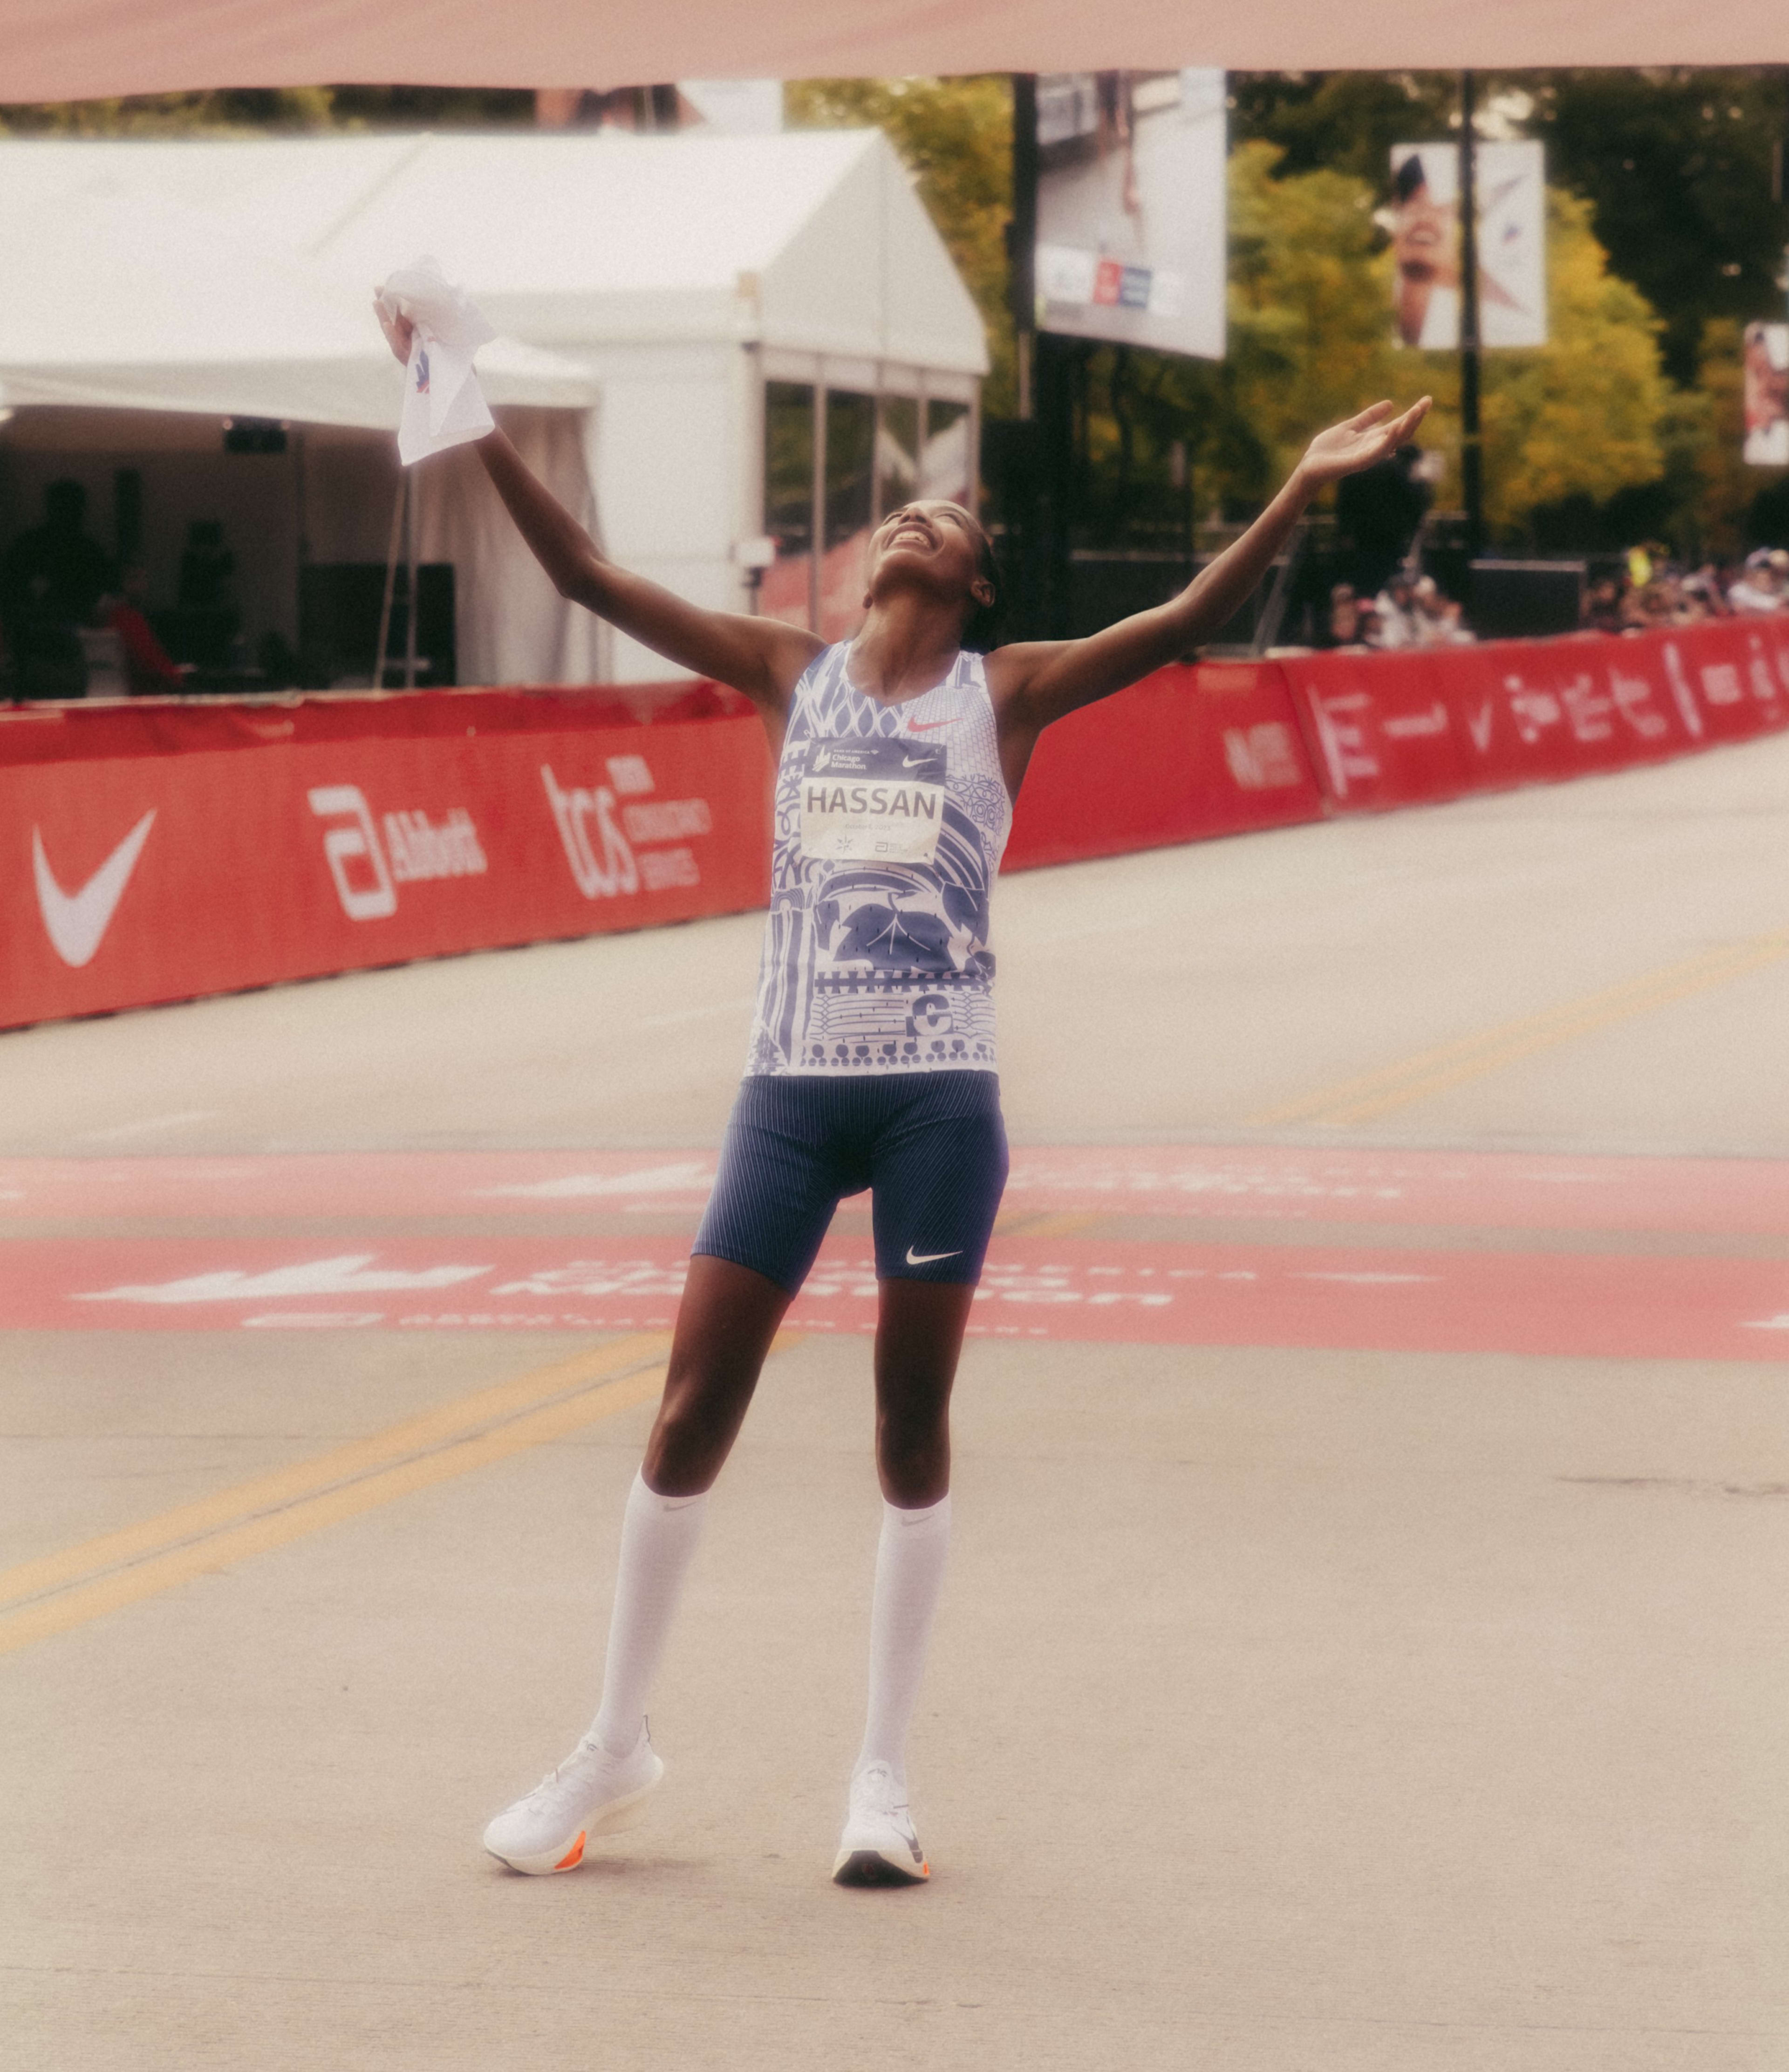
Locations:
column 878, row 1846
column 591, row 1793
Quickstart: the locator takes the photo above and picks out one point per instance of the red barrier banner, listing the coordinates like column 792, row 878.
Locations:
column 1395, row 730
column 157, row 851
column 153, row 876
column 1382, row 727
column 1188, row 753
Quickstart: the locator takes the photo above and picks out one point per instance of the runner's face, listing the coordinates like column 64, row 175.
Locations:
column 932, row 536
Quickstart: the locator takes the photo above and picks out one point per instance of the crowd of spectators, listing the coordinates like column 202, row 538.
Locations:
column 1646, row 591
column 1410, row 611
column 1651, row 590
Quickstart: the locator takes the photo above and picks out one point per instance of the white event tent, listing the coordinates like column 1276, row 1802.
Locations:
column 757, row 314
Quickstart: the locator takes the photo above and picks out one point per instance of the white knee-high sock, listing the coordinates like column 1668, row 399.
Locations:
column 910, row 1571
column 658, row 1537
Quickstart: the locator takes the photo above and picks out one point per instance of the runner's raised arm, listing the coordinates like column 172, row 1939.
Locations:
column 1034, row 682
column 762, row 657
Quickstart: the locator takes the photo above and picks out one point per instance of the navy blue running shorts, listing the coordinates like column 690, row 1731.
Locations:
column 930, row 1146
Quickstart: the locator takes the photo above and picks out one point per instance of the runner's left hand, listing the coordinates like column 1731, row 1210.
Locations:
column 1345, row 449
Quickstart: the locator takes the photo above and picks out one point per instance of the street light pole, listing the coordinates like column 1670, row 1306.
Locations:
column 1472, row 477
column 1022, row 235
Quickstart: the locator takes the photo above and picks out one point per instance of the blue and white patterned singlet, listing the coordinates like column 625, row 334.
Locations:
column 891, row 821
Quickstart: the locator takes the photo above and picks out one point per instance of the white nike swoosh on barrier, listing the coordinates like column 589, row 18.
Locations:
column 76, row 922
column 927, row 1258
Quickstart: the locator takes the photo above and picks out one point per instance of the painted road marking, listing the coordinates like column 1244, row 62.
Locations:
column 1373, row 1094
column 57, row 1591
column 1616, row 1304
column 1337, row 1182
column 148, row 1125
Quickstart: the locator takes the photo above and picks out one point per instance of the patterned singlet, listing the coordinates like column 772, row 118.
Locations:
column 889, row 825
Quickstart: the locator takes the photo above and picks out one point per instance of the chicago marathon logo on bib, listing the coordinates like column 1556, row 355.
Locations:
column 874, row 801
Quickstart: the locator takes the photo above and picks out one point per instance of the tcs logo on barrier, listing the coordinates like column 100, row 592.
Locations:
column 367, row 871
column 615, row 850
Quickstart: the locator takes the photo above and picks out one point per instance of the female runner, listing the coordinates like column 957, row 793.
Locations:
column 871, row 1064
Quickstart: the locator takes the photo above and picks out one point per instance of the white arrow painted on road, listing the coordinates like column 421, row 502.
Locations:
column 693, row 1177
column 346, row 1275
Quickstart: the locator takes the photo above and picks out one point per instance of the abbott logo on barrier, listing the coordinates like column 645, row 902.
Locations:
column 342, row 846
column 417, row 850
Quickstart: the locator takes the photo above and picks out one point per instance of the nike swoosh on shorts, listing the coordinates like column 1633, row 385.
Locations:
column 76, row 922
column 928, row 1258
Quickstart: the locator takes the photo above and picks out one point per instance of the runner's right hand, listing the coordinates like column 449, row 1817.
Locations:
column 399, row 331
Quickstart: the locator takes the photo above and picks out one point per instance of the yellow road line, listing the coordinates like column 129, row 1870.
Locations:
column 1449, row 1065
column 1062, row 1223
column 304, row 1478
column 50, row 1595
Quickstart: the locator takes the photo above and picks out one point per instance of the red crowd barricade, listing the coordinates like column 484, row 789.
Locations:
column 1382, row 727
column 165, row 852
column 1395, row 730
column 158, row 850
column 1187, row 753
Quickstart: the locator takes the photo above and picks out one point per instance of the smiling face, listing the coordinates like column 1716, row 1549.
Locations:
column 936, row 545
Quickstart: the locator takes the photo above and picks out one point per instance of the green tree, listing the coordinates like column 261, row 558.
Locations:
column 956, row 136
column 1310, row 315
column 235, row 113
column 1310, row 341
column 248, row 111
column 1342, row 122
column 1582, row 414
column 1676, row 162
column 1676, row 165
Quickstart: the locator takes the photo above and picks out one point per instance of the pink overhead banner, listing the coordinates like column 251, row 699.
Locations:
column 66, row 50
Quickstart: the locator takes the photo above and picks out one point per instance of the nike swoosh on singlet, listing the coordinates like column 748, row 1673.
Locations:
column 928, row 1258
column 76, row 922
column 926, row 725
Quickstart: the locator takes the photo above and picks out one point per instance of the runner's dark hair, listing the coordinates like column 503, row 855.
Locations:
column 981, row 628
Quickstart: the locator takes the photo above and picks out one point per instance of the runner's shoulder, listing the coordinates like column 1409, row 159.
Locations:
column 1011, row 670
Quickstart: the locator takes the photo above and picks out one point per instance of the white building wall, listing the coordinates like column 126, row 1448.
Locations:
column 671, row 450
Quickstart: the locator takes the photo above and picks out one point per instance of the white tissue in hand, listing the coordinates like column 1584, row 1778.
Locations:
column 443, row 404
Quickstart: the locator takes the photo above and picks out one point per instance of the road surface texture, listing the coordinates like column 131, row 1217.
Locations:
column 1363, row 1646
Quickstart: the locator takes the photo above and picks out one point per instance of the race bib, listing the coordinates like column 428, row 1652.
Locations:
column 873, row 801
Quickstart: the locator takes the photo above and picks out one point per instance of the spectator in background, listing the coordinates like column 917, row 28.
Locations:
column 1760, row 587
column 1642, row 605
column 1602, row 607
column 1344, row 623
column 51, row 579
column 1377, row 512
column 151, row 671
column 1439, row 622
column 1394, row 609
column 1701, row 596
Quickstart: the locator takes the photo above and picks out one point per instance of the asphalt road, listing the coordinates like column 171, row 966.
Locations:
column 1363, row 1646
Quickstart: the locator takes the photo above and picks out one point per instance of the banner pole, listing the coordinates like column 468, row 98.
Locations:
column 382, row 646
column 1472, row 481
column 1023, row 236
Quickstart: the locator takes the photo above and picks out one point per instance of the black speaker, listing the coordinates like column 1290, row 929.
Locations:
column 338, row 605
column 1524, row 600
